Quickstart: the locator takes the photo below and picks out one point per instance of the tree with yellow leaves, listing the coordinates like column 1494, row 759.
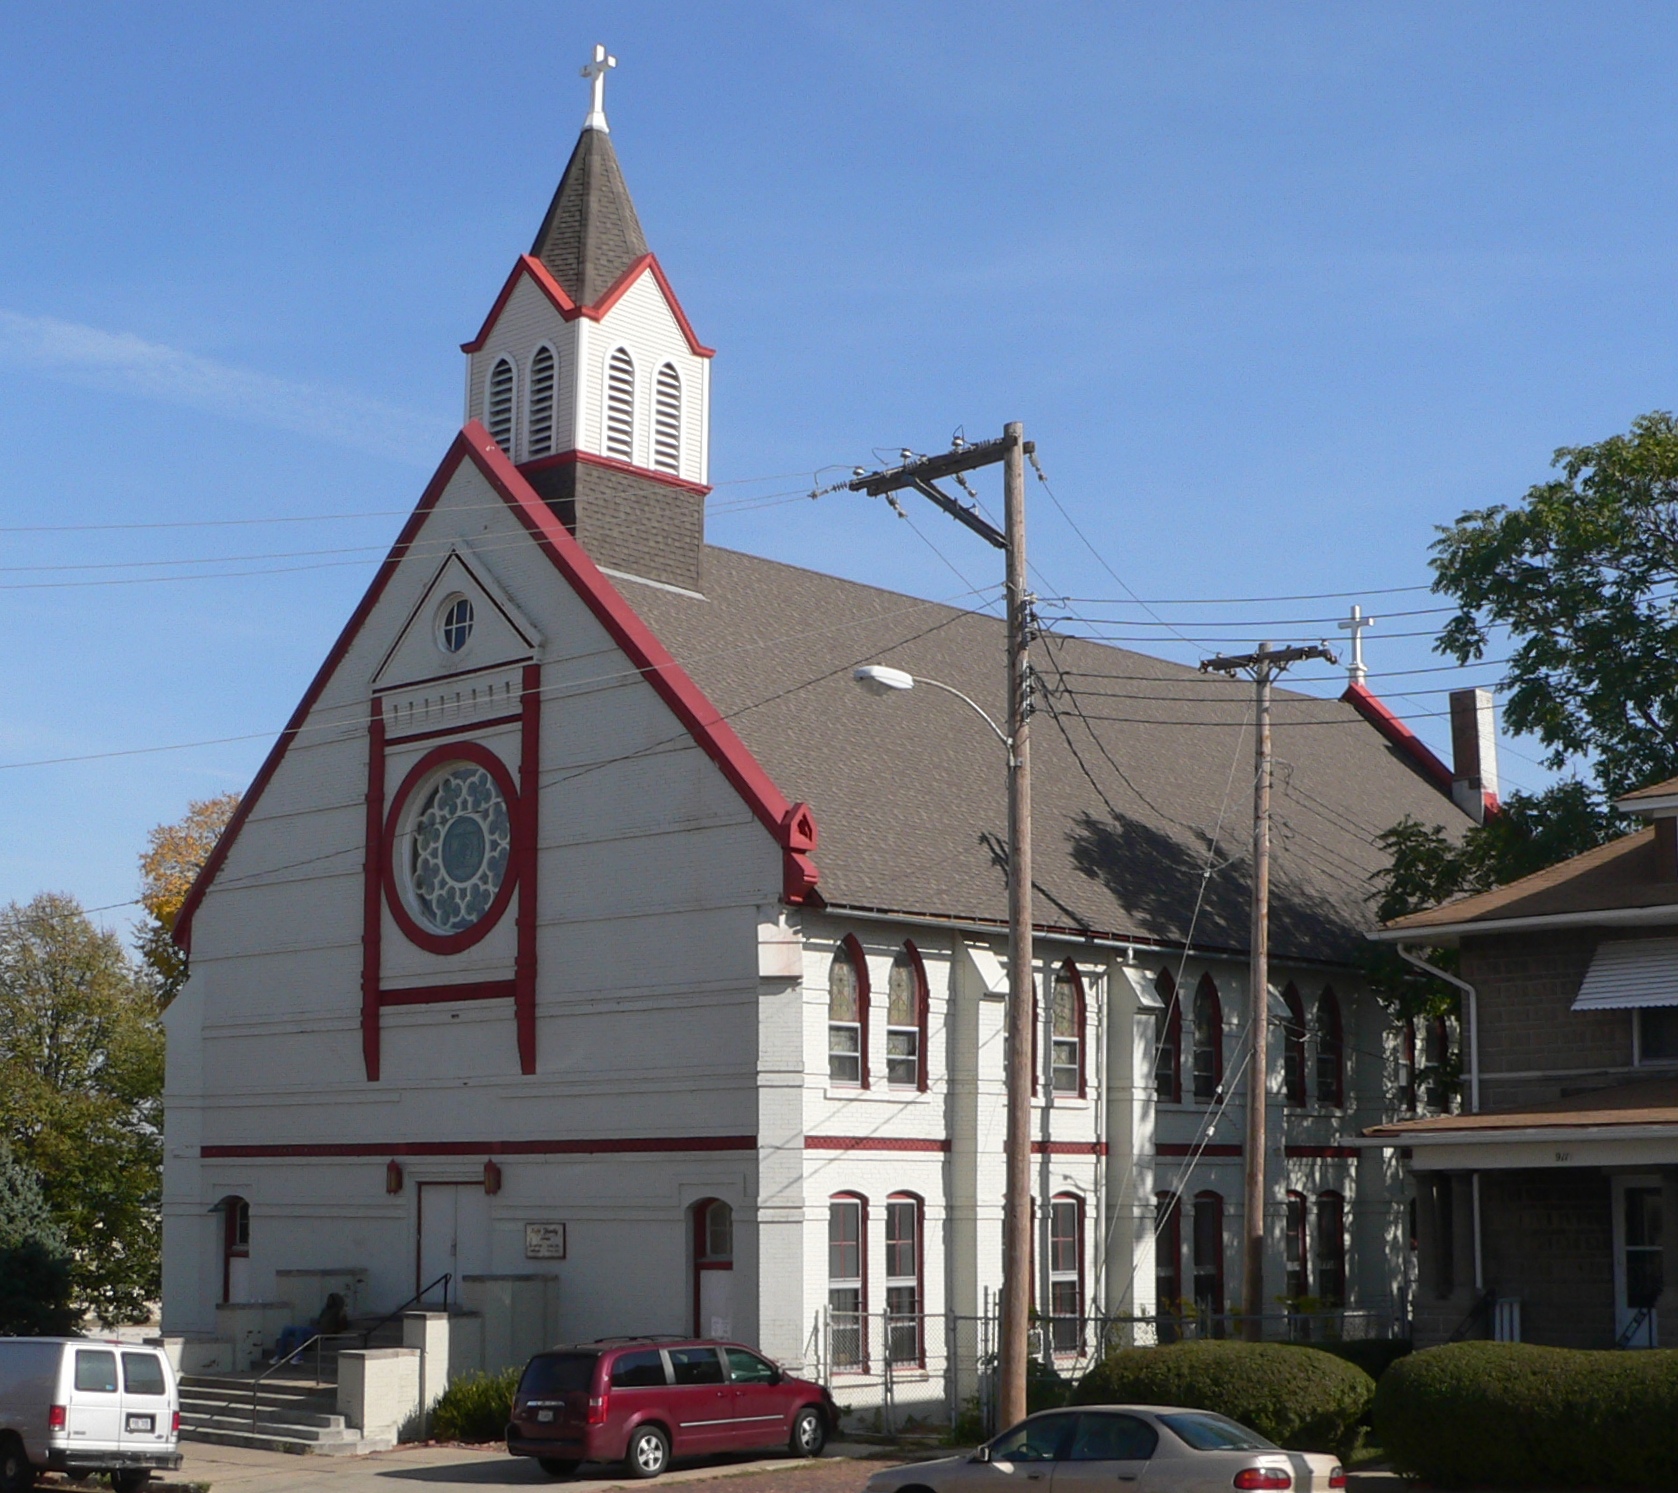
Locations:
column 174, row 855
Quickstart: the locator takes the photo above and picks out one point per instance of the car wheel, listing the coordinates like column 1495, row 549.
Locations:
column 16, row 1474
column 558, row 1466
column 130, row 1479
column 809, row 1433
column 649, row 1452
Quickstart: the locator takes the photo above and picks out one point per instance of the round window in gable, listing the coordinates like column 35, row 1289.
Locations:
column 458, row 844
column 454, row 623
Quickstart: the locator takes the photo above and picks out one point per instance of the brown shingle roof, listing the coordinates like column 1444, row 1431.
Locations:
column 591, row 234
column 1651, row 1102
column 1653, row 790
column 909, row 791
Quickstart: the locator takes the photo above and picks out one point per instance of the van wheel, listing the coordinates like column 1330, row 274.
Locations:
column 649, row 1452
column 809, row 1435
column 558, row 1466
column 16, row 1475
column 130, row 1479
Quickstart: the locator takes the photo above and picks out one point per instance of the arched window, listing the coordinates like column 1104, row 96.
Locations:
column 906, row 1021
column 235, row 1248
column 1331, row 1248
column 1168, row 1041
column 667, row 420
column 620, row 405
column 1209, row 1261
column 1293, row 1046
column 904, row 1263
column 1066, row 1272
column 1407, row 1066
column 1168, row 1261
column 539, row 424
column 847, row 1015
column 713, row 1264
column 1208, row 1041
column 1298, row 1282
column 1331, row 1050
column 498, row 404
column 1066, row 1055
column 847, row 1280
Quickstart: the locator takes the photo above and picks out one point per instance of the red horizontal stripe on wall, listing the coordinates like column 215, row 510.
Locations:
column 872, row 1143
column 1175, row 1150
column 1069, row 1148
column 1334, row 1153
column 601, row 1146
column 467, row 990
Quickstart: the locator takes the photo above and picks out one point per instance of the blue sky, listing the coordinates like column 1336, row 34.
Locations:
column 1276, row 289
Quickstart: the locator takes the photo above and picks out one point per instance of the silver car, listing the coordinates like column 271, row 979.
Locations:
column 1090, row 1450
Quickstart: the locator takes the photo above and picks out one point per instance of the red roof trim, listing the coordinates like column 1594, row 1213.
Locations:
column 612, row 464
column 873, row 1143
column 1375, row 711
column 702, row 719
column 529, row 265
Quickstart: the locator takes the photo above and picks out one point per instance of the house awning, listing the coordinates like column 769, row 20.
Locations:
column 1631, row 972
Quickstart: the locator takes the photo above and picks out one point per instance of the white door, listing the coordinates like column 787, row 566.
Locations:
column 147, row 1409
column 716, row 1303
column 1637, row 1260
column 453, row 1236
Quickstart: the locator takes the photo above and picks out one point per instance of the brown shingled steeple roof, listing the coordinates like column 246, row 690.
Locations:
column 590, row 235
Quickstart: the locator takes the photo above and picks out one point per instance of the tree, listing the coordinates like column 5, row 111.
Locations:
column 35, row 1291
column 81, row 1083
column 24, row 1214
column 174, row 855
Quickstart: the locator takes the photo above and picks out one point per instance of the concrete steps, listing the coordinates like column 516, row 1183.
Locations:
column 292, row 1415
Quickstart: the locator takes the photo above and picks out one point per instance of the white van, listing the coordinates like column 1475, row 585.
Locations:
column 82, row 1405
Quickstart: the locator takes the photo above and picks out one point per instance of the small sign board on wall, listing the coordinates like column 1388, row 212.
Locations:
column 544, row 1241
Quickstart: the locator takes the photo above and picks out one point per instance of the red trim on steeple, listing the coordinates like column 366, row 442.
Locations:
column 528, row 264
column 1375, row 711
column 792, row 826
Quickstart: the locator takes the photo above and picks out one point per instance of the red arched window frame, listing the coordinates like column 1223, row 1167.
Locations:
column 706, row 1256
column 848, row 1335
column 1066, row 1272
column 850, row 950
column 1209, row 1257
column 1168, row 1042
column 917, row 971
column 1080, row 1027
column 235, row 1238
column 1296, row 1254
column 905, row 1331
column 1331, row 1248
column 1331, row 1050
column 1208, row 1024
column 1168, row 1253
column 1293, row 1046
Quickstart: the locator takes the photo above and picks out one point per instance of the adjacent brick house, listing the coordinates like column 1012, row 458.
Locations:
column 1540, row 1211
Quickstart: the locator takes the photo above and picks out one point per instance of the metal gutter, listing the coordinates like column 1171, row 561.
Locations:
column 1613, row 917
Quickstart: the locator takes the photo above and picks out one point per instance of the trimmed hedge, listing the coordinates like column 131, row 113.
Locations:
column 475, row 1408
column 1512, row 1415
column 1298, row 1397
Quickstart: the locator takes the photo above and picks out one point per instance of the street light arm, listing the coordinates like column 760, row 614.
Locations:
column 984, row 714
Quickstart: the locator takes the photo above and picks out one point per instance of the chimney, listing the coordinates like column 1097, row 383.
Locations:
column 1473, row 753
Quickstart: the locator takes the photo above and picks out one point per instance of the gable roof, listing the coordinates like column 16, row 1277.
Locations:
column 1651, row 1101
column 1132, row 777
column 591, row 233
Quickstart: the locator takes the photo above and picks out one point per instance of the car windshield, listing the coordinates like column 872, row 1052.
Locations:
column 558, row 1373
column 1216, row 1433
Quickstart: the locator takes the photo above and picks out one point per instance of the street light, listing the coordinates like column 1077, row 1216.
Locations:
column 882, row 679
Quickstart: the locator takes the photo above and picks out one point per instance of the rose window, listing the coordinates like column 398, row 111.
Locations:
column 461, row 839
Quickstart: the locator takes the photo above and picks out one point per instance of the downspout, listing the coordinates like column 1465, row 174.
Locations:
column 1473, row 1023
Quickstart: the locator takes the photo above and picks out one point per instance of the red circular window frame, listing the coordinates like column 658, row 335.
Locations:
column 417, row 933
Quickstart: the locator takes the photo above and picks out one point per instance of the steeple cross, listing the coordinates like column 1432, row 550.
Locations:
column 596, row 73
column 1355, row 624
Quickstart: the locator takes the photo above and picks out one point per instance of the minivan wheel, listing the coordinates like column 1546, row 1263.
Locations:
column 558, row 1466
column 649, row 1452
column 130, row 1479
column 809, row 1434
column 16, row 1474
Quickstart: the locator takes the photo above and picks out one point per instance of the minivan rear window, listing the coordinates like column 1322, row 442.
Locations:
column 638, row 1370
column 96, row 1371
column 558, row 1373
column 142, row 1374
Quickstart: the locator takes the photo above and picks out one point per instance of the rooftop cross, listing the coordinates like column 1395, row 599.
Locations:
column 1355, row 625
column 596, row 72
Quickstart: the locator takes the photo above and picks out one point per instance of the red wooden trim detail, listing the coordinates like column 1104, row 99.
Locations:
column 862, row 1271
column 852, row 947
column 1296, row 1081
column 529, row 265
column 1172, row 1149
column 791, row 824
column 465, row 728
column 1069, row 1148
column 1168, row 1242
column 1208, row 986
column 872, row 1143
column 920, row 1268
column 524, row 854
column 923, row 1002
column 602, row 1147
column 1375, row 711
column 451, row 943
column 434, row 995
column 1323, row 1153
column 612, row 464
column 1169, row 993
column 1218, row 1257
column 372, row 876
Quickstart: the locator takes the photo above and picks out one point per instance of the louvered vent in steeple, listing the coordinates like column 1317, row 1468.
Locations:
column 498, row 405
column 539, row 430
column 667, row 420
column 620, row 406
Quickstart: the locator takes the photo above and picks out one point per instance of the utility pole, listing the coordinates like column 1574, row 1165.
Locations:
column 922, row 475
column 1263, row 666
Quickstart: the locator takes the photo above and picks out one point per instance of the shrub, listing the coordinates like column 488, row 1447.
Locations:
column 1298, row 1397
column 475, row 1408
column 1511, row 1415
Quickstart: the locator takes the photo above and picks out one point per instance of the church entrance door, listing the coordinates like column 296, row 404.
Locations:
column 453, row 1237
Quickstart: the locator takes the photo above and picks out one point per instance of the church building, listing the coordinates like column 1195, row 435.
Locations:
column 592, row 954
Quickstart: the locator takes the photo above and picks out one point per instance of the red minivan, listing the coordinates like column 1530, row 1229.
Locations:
column 642, row 1401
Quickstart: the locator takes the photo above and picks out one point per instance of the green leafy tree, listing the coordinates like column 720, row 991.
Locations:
column 81, row 1083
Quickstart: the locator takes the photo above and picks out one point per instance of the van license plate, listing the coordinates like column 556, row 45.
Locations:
column 142, row 1423
column 544, row 1415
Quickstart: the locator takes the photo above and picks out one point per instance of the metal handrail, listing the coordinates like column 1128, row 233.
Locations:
column 1481, row 1311
column 418, row 1296
column 1642, row 1316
